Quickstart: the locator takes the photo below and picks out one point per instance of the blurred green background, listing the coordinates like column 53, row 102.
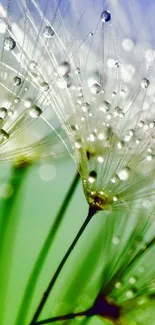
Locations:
column 35, row 209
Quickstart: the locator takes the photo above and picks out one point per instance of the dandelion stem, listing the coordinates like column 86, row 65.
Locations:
column 100, row 307
column 61, row 318
column 37, row 268
column 8, row 230
column 91, row 213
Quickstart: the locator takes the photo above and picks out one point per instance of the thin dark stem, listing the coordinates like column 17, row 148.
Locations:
column 28, row 294
column 61, row 318
column 91, row 213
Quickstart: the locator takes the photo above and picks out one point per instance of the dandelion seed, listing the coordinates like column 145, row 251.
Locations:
column 108, row 93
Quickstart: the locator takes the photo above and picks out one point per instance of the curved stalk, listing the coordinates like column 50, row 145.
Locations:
column 37, row 268
column 101, row 307
column 91, row 213
column 62, row 318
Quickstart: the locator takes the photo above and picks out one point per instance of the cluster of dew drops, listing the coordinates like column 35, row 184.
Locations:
column 138, row 139
column 64, row 81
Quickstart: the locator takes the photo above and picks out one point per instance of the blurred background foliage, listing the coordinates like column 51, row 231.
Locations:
column 34, row 210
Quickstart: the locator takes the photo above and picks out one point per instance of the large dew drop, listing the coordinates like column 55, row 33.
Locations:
column 9, row 44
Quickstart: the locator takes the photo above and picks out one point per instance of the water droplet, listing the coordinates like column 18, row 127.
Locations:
column 117, row 64
column 92, row 176
column 77, row 71
column 44, row 86
column 122, row 93
column 145, row 83
column 16, row 100
column 114, row 93
column 35, row 111
column 114, row 179
column 64, row 82
column 28, row 103
column 152, row 125
column 48, row 32
column 105, row 106
column 33, row 65
column 118, row 111
column 129, row 294
column 92, row 137
column 86, row 107
column 78, row 144
column 100, row 159
column 115, row 240
column 105, row 16
column 64, row 68
column 17, row 81
column 120, row 144
column 101, row 136
column 141, row 124
column 150, row 157
column 118, row 285
column 132, row 280
column 9, row 43
column 95, row 88
column 109, row 117
column 115, row 198
column 3, row 135
column 3, row 112
column 124, row 174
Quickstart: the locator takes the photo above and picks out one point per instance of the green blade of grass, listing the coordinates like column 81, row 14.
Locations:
column 8, row 228
column 37, row 268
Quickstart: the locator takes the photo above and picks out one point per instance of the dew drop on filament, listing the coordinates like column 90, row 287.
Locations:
column 92, row 177
column 95, row 88
column 145, row 83
column 16, row 81
column 64, row 68
column 3, row 112
column 48, row 32
column 105, row 16
column 35, row 111
column 3, row 135
column 9, row 43
column 124, row 174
